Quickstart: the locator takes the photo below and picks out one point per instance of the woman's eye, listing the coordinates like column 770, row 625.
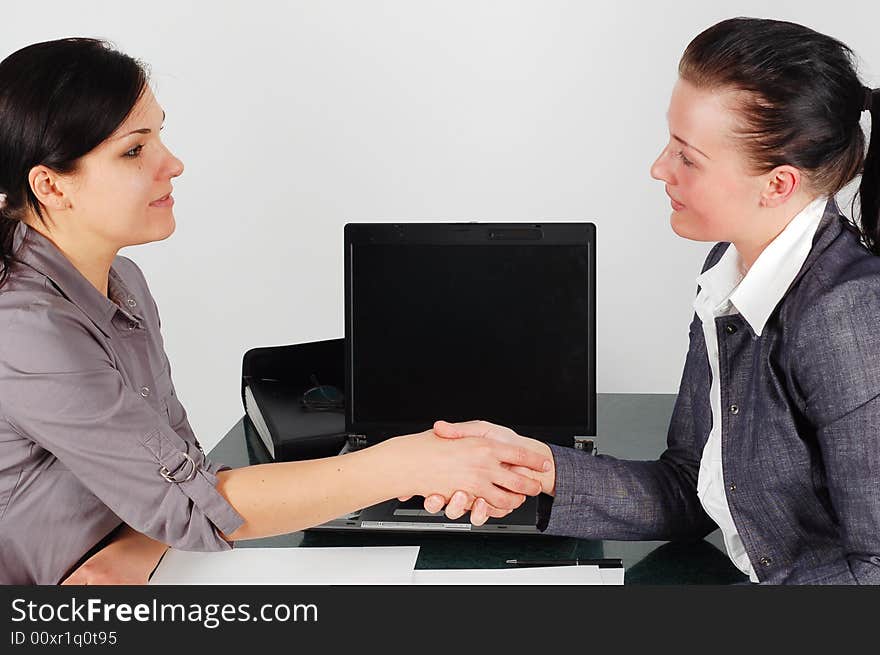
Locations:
column 684, row 160
column 134, row 152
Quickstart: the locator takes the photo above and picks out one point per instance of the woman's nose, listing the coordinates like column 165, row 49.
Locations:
column 660, row 167
column 173, row 166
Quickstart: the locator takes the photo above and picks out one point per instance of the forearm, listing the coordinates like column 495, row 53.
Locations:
column 601, row 497
column 139, row 545
column 289, row 496
column 129, row 558
column 133, row 541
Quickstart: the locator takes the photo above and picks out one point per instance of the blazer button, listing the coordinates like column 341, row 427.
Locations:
column 734, row 409
column 145, row 391
column 765, row 561
column 732, row 487
column 730, row 328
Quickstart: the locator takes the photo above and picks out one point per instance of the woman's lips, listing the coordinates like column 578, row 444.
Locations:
column 165, row 201
column 676, row 206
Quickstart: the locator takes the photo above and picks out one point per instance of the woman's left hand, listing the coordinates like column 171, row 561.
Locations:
column 127, row 560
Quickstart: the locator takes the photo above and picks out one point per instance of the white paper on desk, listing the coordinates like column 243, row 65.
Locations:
column 612, row 575
column 550, row 575
column 297, row 566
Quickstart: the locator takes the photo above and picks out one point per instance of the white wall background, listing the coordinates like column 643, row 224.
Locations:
column 295, row 118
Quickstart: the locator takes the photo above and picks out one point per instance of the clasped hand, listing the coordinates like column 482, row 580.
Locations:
column 525, row 473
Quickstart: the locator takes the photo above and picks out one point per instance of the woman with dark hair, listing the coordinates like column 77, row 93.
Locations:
column 775, row 435
column 99, row 469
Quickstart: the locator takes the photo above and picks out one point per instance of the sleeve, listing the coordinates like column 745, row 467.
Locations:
column 60, row 388
column 601, row 497
column 836, row 371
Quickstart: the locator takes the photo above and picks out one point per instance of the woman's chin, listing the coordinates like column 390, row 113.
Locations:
column 686, row 229
column 158, row 231
column 164, row 229
column 680, row 225
column 169, row 230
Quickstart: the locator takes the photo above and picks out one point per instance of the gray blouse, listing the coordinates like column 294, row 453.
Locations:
column 92, row 433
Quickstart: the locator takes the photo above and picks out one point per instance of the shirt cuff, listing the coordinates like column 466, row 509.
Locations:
column 215, row 506
column 554, row 512
column 545, row 507
column 196, row 477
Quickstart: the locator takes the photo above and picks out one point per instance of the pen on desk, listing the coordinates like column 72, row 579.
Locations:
column 604, row 563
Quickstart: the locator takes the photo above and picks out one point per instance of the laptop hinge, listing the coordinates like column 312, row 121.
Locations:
column 587, row 444
column 356, row 441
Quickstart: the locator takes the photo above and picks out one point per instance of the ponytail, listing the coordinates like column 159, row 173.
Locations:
column 869, row 187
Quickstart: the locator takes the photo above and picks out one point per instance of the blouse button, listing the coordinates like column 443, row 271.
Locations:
column 131, row 303
column 145, row 391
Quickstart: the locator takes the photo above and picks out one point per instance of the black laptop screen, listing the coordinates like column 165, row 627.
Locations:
column 500, row 332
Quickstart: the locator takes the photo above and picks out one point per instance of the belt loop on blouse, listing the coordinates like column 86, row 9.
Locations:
column 173, row 477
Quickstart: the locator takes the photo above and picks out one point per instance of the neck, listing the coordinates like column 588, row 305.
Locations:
column 771, row 223
column 88, row 255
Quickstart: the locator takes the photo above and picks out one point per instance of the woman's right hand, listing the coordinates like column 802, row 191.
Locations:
column 483, row 468
column 461, row 501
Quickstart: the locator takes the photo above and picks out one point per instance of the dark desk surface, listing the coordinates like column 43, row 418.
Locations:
column 630, row 426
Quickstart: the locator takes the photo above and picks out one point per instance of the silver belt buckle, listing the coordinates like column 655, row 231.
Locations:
column 171, row 477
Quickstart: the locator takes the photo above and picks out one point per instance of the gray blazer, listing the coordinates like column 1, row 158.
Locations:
column 800, row 432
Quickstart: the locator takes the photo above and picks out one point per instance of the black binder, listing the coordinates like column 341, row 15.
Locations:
column 273, row 380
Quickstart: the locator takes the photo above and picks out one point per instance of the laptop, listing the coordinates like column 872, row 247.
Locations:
column 458, row 321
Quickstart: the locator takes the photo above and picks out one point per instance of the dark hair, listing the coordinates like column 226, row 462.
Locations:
column 58, row 101
column 801, row 105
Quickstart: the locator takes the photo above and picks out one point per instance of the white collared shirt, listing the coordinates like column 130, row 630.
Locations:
column 725, row 290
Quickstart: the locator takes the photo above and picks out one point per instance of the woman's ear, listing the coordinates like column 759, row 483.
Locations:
column 48, row 187
column 782, row 183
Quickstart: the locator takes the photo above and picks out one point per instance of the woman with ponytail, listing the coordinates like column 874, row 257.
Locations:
column 775, row 435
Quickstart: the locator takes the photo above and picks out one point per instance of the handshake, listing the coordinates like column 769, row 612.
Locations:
column 475, row 466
